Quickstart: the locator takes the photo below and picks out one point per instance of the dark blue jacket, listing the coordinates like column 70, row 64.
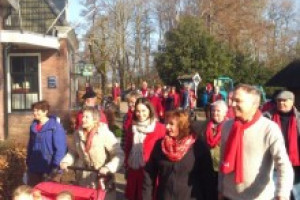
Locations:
column 46, row 148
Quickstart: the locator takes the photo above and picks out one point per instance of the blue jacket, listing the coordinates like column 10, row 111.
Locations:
column 46, row 148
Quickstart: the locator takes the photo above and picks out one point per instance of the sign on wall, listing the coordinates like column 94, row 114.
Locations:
column 52, row 82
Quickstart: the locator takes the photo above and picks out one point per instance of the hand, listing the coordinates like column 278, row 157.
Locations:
column 104, row 170
column 64, row 166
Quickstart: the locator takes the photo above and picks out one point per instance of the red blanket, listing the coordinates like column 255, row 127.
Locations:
column 49, row 191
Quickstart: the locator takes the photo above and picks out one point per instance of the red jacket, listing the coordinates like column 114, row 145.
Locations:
column 176, row 98
column 157, row 104
column 158, row 133
column 116, row 92
column 145, row 92
column 135, row 178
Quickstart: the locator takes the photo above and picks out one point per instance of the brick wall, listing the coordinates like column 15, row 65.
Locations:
column 53, row 63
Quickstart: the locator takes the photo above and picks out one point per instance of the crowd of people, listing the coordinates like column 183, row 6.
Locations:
column 242, row 151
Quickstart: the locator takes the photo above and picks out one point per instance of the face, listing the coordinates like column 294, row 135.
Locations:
column 90, row 101
column 142, row 112
column 144, row 85
column 39, row 114
column 218, row 113
column 284, row 105
column 88, row 121
column 172, row 127
column 244, row 105
column 131, row 103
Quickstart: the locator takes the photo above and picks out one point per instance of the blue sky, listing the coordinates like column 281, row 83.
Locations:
column 74, row 11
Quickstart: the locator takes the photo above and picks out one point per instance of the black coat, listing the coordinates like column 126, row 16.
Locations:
column 191, row 178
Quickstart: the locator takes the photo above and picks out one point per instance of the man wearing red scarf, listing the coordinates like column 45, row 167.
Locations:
column 287, row 117
column 251, row 146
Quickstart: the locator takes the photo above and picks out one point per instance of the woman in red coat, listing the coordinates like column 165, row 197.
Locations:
column 140, row 141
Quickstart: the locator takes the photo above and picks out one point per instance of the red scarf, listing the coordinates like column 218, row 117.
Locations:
column 233, row 156
column 128, row 120
column 292, row 136
column 89, row 139
column 38, row 127
column 176, row 149
column 211, row 138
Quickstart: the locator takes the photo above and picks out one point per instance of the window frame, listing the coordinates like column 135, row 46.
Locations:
column 9, row 83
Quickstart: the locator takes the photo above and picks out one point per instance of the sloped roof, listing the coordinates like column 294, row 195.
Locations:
column 57, row 6
column 287, row 77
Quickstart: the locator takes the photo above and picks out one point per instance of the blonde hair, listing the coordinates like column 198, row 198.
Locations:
column 65, row 195
column 23, row 192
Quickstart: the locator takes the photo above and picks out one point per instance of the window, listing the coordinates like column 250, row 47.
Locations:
column 24, row 81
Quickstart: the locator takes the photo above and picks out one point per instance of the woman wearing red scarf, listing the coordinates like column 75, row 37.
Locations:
column 140, row 140
column 180, row 164
column 213, row 130
column 96, row 147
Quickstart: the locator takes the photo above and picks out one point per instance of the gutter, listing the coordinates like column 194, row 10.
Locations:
column 6, row 48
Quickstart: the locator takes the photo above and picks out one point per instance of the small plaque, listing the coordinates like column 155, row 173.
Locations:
column 52, row 82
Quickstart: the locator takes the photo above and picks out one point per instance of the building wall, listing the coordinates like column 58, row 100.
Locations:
column 53, row 63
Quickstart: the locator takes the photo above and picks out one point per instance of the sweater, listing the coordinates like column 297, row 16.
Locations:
column 105, row 151
column 190, row 178
column 264, row 149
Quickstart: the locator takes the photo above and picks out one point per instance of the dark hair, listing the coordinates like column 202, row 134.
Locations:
column 184, row 125
column 146, row 103
column 41, row 105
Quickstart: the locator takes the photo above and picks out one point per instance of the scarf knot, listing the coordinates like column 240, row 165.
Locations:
column 213, row 133
column 176, row 149
column 233, row 155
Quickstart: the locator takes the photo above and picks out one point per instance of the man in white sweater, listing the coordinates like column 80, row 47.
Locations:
column 251, row 147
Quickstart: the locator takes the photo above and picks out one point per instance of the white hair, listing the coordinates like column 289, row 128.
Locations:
column 222, row 104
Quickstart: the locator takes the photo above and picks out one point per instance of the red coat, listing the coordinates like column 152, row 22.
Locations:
column 79, row 116
column 135, row 178
column 116, row 92
column 176, row 98
column 157, row 104
column 145, row 92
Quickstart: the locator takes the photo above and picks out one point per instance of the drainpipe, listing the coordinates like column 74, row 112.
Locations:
column 6, row 48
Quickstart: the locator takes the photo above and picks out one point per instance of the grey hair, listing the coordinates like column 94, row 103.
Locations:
column 220, row 103
column 250, row 90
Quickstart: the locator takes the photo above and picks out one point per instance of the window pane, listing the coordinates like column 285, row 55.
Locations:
column 17, row 64
column 31, row 84
column 16, row 83
column 24, row 82
column 31, row 64
column 30, row 99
